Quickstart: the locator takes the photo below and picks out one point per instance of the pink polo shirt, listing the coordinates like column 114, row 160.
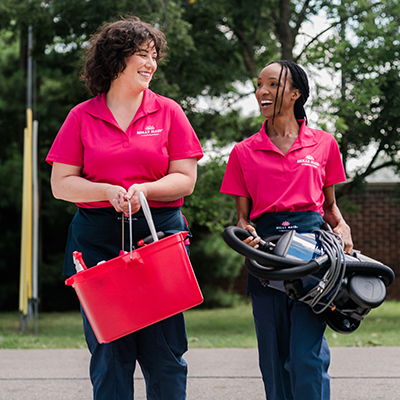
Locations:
column 159, row 133
column 275, row 182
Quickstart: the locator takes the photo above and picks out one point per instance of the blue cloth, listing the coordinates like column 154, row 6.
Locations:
column 277, row 224
column 97, row 232
column 158, row 348
column 294, row 356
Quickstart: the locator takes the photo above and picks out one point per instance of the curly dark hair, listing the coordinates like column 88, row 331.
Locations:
column 111, row 45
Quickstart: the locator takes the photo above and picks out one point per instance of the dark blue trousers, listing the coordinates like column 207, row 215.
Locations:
column 158, row 348
column 293, row 353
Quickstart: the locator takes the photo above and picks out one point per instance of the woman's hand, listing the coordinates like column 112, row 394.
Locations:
column 116, row 196
column 253, row 240
column 178, row 182
column 68, row 184
column 343, row 230
column 334, row 218
column 132, row 195
column 243, row 205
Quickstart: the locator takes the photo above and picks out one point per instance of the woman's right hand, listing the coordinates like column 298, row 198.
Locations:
column 243, row 205
column 116, row 196
column 253, row 239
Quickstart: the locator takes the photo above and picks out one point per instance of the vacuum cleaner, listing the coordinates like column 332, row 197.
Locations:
column 312, row 268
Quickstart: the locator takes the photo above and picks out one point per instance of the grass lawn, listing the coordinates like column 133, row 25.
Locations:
column 234, row 327
column 228, row 327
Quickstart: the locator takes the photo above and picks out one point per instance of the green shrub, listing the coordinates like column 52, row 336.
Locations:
column 216, row 266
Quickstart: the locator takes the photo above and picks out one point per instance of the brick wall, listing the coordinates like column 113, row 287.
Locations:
column 376, row 228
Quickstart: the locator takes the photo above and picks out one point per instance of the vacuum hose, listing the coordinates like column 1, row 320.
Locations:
column 269, row 266
column 312, row 268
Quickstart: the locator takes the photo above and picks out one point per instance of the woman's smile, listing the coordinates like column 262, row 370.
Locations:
column 264, row 103
column 146, row 75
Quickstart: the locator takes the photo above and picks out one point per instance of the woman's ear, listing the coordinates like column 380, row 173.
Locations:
column 296, row 94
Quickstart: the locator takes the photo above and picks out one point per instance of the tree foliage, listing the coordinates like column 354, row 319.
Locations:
column 213, row 45
column 363, row 52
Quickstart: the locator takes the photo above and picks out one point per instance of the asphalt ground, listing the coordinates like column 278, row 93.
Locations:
column 367, row 373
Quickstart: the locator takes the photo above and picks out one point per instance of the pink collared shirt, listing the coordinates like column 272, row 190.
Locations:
column 159, row 133
column 275, row 182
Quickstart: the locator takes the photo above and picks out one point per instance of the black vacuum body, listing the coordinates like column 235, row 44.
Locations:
column 311, row 267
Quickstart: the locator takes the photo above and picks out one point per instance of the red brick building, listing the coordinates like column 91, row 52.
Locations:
column 376, row 226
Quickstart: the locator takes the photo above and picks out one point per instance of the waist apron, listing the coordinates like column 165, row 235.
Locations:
column 277, row 224
column 97, row 232
column 158, row 348
column 293, row 353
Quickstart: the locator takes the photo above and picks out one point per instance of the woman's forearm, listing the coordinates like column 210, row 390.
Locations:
column 243, row 208
column 179, row 182
column 169, row 188
column 79, row 190
column 68, row 184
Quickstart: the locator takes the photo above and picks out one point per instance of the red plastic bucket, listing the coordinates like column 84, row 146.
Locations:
column 126, row 294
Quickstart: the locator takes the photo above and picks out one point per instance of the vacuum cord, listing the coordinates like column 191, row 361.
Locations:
column 333, row 246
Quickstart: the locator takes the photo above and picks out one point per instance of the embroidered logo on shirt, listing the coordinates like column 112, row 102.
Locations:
column 309, row 161
column 286, row 226
column 150, row 130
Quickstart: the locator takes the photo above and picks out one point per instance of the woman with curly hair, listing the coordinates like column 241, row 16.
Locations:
column 123, row 141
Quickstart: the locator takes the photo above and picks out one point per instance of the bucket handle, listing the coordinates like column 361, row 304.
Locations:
column 130, row 229
column 130, row 232
column 149, row 219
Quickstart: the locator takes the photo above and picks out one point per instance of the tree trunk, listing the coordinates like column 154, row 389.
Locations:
column 284, row 31
column 246, row 51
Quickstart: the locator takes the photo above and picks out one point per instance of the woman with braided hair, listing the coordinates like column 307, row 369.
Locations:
column 283, row 178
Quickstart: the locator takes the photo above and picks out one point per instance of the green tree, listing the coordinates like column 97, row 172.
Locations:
column 213, row 44
column 364, row 53
column 60, row 29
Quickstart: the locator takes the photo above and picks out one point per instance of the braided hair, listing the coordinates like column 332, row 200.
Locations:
column 299, row 81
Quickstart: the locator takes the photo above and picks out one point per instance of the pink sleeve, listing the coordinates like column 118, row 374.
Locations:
column 234, row 182
column 182, row 140
column 67, row 147
column 334, row 170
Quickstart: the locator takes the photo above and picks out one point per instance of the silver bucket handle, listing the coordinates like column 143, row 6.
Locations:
column 147, row 214
column 149, row 219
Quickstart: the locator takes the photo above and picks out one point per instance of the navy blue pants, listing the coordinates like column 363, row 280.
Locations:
column 158, row 348
column 294, row 356
column 293, row 353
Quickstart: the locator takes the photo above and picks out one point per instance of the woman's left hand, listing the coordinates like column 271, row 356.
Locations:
column 133, row 197
column 178, row 182
column 333, row 217
column 343, row 230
